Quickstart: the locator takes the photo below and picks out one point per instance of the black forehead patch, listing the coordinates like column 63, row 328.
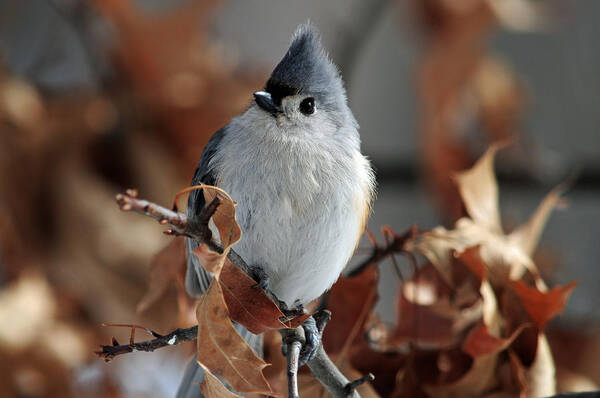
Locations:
column 279, row 90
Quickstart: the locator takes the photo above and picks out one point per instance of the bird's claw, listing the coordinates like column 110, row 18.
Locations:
column 313, row 328
column 312, row 343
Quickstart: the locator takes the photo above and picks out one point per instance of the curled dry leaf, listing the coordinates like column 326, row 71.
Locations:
column 536, row 380
column 542, row 306
column 225, row 224
column 506, row 256
column 212, row 387
column 540, row 380
column 479, row 342
column 212, row 261
column 224, row 218
column 222, row 350
column 479, row 191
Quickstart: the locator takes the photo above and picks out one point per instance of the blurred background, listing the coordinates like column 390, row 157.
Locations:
column 101, row 95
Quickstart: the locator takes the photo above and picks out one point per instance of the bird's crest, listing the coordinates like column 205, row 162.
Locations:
column 306, row 68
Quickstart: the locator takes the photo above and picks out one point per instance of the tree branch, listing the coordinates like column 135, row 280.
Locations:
column 177, row 221
column 379, row 253
column 292, row 356
column 177, row 336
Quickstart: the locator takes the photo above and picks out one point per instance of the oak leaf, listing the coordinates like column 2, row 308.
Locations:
column 506, row 256
column 542, row 306
column 222, row 350
column 250, row 306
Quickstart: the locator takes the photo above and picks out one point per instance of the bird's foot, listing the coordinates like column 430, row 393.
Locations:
column 313, row 334
column 260, row 276
column 313, row 341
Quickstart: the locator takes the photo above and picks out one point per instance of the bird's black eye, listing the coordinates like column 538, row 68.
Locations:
column 307, row 106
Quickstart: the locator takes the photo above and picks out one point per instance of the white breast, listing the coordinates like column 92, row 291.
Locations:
column 300, row 204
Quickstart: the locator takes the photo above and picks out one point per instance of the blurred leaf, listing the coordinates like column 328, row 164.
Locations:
column 350, row 301
column 542, row 306
column 166, row 267
column 479, row 191
column 222, row 350
column 506, row 256
column 479, row 342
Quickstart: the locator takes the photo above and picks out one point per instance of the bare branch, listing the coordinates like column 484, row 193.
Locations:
column 177, row 336
column 177, row 221
column 353, row 385
column 379, row 253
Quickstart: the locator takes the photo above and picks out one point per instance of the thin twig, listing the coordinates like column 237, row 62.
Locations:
column 379, row 253
column 353, row 385
column 177, row 336
column 178, row 222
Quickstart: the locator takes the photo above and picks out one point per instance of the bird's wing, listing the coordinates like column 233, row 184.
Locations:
column 197, row 279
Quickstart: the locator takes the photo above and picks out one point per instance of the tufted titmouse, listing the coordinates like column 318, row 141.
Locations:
column 293, row 164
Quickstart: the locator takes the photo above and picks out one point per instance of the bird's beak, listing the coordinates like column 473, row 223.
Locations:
column 265, row 101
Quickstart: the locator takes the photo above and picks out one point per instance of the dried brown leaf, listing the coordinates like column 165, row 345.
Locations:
column 350, row 301
column 211, row 261
column 479, row 342
column 250, row 306
column 222, row 350
column 542, row 306
column 225, row 223
column 224, row 218
column 527, row 235
column 540, row 377
column 537, row 380
column 506, row 256
column 479, row 191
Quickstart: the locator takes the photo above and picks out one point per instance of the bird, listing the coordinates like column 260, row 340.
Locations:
column 292, row 162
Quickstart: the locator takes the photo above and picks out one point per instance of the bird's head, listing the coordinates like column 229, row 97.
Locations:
column 305, row 90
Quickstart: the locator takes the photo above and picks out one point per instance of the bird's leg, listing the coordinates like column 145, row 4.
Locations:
column 260, row 276
column 313, row 334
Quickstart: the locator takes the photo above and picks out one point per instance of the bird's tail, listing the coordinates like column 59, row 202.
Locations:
column 197, row 281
